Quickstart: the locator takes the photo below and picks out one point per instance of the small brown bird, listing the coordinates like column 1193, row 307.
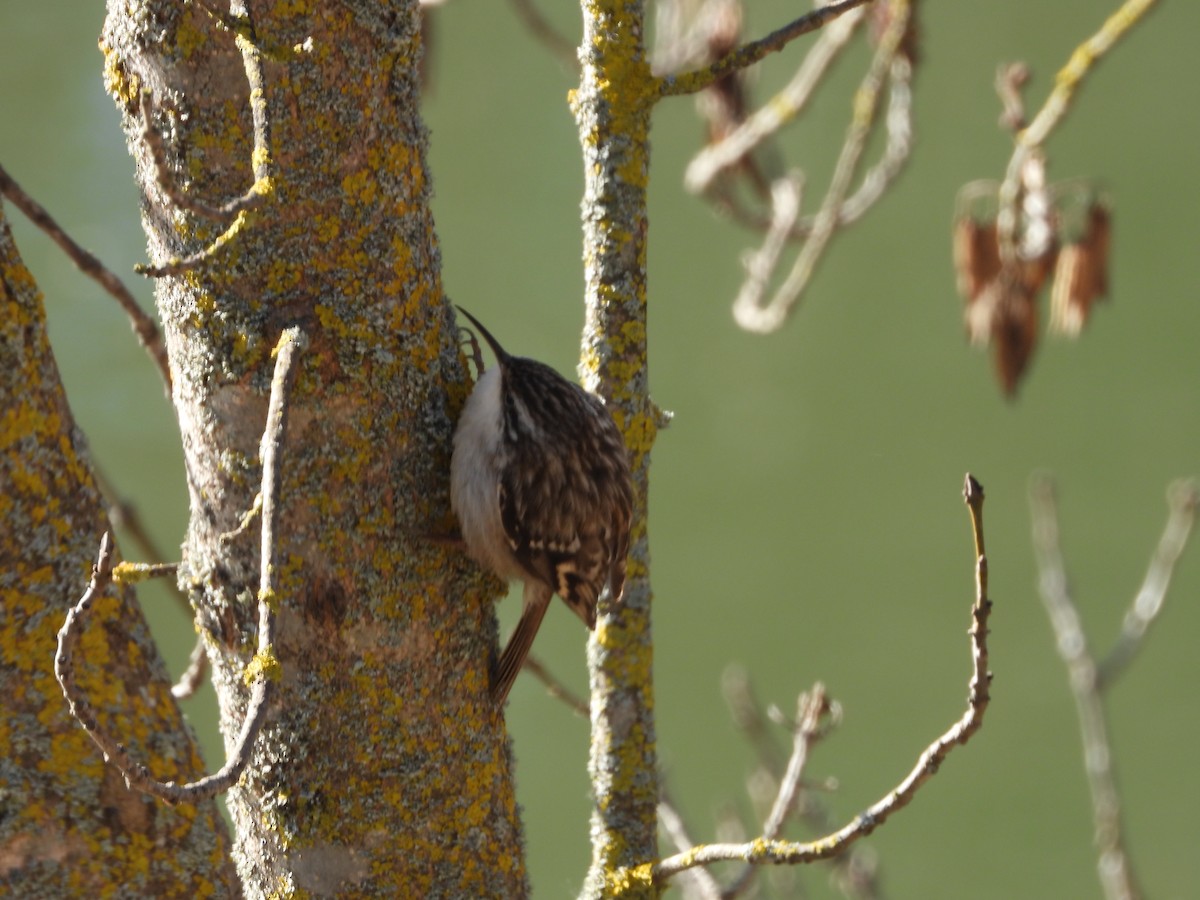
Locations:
column 540, row 482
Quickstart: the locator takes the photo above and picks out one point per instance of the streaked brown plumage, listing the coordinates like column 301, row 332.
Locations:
column 541, row 486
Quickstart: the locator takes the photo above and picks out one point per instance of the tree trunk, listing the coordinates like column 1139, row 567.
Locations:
column 69, row 827
column 383, row 768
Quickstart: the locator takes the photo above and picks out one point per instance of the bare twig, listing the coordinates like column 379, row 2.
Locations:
column 262, row 671
column 132, row 573
column 1115, row 869
column 761, row 265
column 192, row 677
column 179, row 265
column 770, row 316
column 225, row 20
column 747, row 715
column 143, row 325
column 545, row 33
column 243, row 208
column 748, row 54
column 875, row 181
column 811, row 711
column 136, row 775
column 857, row 870
column 702, row 883
column 1066, row 83
column 1011, row 78
column 1087, row 679
column 166, row 182
column 244, row 523
column 125, row 516
column 126, row 573
column 238, row 24
column 777, row 112
column 1070, row 77
column 895, row 153
column 556, row 688
column 1183, row 498
column 786, row 852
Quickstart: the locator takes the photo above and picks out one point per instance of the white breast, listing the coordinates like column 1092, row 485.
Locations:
column 475, row 477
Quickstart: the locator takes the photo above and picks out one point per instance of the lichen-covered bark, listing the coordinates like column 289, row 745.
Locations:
column 384, row 768
column 612, row 109
column 68, row 825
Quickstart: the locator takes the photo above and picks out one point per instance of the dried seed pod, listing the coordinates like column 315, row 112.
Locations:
column 1081, row 275
column 976, row 256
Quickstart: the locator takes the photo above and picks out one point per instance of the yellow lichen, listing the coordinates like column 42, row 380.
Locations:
column 188, row 37
column 635, row 881
column 264, row 664
column 122, row 87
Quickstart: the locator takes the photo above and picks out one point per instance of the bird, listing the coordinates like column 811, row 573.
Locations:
column 540, row 482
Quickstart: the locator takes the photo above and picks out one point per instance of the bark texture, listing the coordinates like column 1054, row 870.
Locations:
column 612, row 110
column 383, row 769
column 68, row 825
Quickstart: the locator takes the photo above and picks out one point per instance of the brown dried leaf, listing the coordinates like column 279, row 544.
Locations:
column 1036, row 270
column 1069, row 298
column 1014, row 334
column 1097, row 242
column 1081, row 275
column 1001, row 309
column 979, row 315
column 976, row 256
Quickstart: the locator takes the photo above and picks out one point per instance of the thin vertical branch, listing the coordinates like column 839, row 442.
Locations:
column 1183, row 499
column 263, row 670
column 612, row 112
column 1115, row 869
column 812, row 708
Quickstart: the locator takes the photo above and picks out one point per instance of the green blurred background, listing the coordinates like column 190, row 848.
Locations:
column 806, row 517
